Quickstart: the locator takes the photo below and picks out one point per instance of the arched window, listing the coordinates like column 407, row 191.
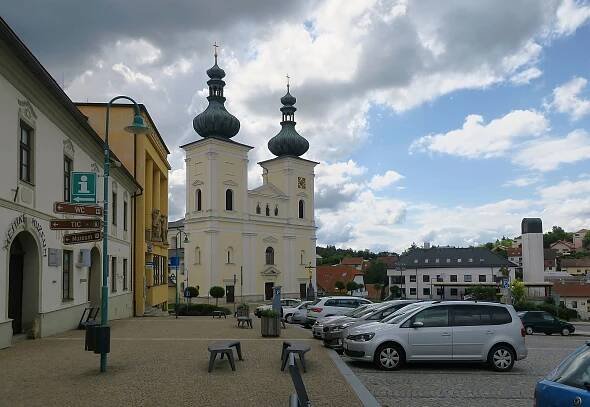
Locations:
column 267, row 210
column 197, row 255
column 270, row 255
column 301, row 209
column 276, row 210
column 258, row 208
column 302, row 254
column 230, row 255
column 198, row 199
column 229, row 200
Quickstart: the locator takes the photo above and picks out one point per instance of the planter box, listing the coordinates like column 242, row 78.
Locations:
column 270, row 326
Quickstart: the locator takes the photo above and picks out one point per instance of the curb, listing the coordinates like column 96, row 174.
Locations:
column 366, row 398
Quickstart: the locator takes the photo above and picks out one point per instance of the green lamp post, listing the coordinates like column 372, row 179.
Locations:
column 179, row 234
column 137, row 127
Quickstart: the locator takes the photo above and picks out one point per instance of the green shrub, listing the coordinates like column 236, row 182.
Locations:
column 200, row 309
column 269, row 313
column 217, row 292
column 560, row 312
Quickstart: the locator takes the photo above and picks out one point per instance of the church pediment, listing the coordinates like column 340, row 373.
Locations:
column 270, row 239
column 270, row 271
column 268, row 190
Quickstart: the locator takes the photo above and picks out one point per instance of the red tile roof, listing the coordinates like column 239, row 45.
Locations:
column 352, row 261
column 572, row 289
column 326, row 276
column 514, row 251
column 568, row 244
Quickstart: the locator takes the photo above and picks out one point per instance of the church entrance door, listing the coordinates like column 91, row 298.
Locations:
column 229, row 294
column 268, row 291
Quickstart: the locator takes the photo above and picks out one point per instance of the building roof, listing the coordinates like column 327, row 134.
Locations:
column 352, row 261
column 583, row 262
column 453, row 257
column 176, row 224
column 514, row 251
column 389, row 261
column 563, row 242
column 327, row 276
column 23, row 53
column 572, row 289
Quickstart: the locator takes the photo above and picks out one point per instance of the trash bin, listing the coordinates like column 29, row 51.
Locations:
column 103, row 339
column 91, row 333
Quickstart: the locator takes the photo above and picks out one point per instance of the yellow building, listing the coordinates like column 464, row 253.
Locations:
column 145, row 156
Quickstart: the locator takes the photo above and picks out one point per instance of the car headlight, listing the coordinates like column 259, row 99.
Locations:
column 343, row 326
column 361, row 337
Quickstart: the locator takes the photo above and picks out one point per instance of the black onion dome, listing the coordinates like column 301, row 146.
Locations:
column 216, row 121
column 288, row 142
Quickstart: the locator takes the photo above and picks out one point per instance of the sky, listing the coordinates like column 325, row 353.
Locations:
column 441, row 122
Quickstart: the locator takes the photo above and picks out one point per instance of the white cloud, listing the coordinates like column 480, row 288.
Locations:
column 571, row 15
column 565, row 190
column 566, row 99
column 379, row 182
column 522, row 181
column 477, row 139
column 549, row 153
column 524, row 77
column 132, row 76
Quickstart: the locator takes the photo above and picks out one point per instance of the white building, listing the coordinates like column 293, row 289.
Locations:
column 445, row 272
column 248, row 240
column 44, row 284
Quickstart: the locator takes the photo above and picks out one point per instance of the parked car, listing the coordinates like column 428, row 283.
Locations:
column 337, row 305
column 288, row 305
column 442, row 331
column 317, row 329
column 299, row 314
column 544, row 322
column 332, row 331
column 569, row 383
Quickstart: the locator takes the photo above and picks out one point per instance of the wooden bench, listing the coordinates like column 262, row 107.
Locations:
column 244, row 322
column 219, row 314
column 220, row 349
column 298, row 348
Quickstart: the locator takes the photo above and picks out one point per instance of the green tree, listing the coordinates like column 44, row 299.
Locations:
column 217, row 293
column 518, row 292
column 482, row 293
column 586, row 240
column 504, row 271
column 376, row 273
column 339, row 285
column 556, row 233
column 351, row 286
column 395, row 291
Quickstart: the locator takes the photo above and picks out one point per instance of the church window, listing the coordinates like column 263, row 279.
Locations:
column 302, row 254
column 198, row 199
column 301, row 209
column 270, row 255
column 230, row 255
column 276, row 210
column 267, row 210
column 258, row 208
column 197, row 255
column 229, row 200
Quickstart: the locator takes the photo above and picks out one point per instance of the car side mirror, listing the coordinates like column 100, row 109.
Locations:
column 417, row 324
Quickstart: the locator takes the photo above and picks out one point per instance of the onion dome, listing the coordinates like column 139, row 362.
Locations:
column 216, row 121
column 288, row 142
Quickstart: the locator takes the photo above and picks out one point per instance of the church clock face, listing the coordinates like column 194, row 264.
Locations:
column 300, row 182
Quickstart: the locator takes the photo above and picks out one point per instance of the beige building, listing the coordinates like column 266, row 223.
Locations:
column 574, row 295
column 248, row 240
column 576, row 267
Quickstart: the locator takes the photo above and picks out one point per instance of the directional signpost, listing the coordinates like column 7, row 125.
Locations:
column 67, row 224
column 83, row 187
column 85, row 210
column 84, row 237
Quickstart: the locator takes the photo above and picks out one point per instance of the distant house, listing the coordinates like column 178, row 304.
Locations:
column 517, row 241
column 389, row 261
column 550, row 260
column 578, row 238
column 327, row 276
column 373, row 291
column 356, row 262
column 515, row 255
column 576, row 267
column 574, row 296
column 562, row 246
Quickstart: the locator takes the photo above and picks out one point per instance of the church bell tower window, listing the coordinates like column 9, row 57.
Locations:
column 267, row 210
column 301, row 209
column 229, row 200
column 258, row 208
column 198, row 200
column 276, row 210
column 270, row 256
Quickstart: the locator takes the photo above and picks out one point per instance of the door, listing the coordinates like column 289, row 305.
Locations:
column 471, row 331
column 302, row 290
column 434, row 339
column 551, row 324
column 229, row 294
column 15, row 284
column 268, row 291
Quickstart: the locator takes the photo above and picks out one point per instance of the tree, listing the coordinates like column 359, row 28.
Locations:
column 518, row 292
column 586, row 240
column 482, row 293
column 395, row 291
column 376, row 273
column 351, row 286
column 504, row 271
column 339, row 285
column 217, row 293
column 556, row 233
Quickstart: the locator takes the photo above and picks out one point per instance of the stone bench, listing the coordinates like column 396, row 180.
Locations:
column 220, row 349
column 294, row 348
column 244, row 322
column 219, row 314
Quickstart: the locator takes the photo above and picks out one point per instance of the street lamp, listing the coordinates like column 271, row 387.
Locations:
column 401, row 267
column 176, row 239
column 137, row 127
column 310, row 290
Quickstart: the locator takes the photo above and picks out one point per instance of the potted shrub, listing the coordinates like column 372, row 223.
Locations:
column 270, row 323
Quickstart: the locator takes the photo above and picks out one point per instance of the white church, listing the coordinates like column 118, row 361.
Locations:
column 248, row 241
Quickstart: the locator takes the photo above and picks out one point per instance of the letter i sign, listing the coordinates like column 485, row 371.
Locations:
column 83, row 187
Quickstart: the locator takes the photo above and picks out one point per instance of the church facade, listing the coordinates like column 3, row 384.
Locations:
column 248, row 240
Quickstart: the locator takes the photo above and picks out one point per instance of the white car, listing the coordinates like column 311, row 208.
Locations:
column 317, row 329
column 442, row 331
column 299, row 314
column 332, row 306
column 288, row 305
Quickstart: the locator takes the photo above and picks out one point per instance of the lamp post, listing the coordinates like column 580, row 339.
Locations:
column 137, row 127
column 401, row 267
column 310, row 291
column 176, row 239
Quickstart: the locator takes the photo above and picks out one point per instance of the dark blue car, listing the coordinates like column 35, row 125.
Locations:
column 568, row 384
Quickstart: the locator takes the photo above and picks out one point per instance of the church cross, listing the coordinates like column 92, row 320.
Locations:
column 215, row 46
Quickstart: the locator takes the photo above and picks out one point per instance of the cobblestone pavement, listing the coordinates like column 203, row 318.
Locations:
column 163, row 362
column 467, row 385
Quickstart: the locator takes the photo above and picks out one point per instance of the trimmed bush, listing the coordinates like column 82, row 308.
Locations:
column 217, row 292
column 560, row 312
column 201, row 309
column 270, row 313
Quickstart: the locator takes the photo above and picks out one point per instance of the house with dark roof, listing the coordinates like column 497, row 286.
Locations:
column 446, row 272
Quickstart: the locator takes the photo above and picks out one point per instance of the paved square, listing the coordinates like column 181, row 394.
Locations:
column 163, row 361
column 467, row 385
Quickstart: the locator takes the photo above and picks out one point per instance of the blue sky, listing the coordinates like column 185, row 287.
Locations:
column 445, row 122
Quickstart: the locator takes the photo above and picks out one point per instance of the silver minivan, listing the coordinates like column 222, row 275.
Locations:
column 442, row 331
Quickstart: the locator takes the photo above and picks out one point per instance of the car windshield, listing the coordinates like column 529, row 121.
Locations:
column 574, row 370
column 400, row 314
column 360, row 311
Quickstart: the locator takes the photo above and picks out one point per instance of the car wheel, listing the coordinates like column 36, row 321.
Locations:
column 501, row 358
column 389, row 357
column 529, row 330
column 565, row 332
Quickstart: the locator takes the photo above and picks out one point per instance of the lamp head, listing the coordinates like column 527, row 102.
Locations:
column 138, row 126
column 185, row 239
